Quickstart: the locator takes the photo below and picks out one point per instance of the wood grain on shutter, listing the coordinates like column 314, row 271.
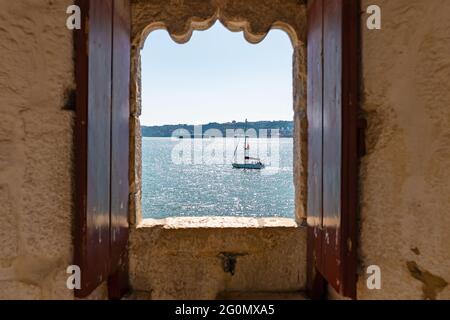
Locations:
column 339, row 167
column 315, row 141
column 350, row 144
column 332, row 140
column 120, row 144
column 92, row 144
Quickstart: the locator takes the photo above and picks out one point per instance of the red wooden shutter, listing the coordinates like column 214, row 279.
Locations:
column 315, row 143
column 332, row 144
column 101, row 141
column 93, row 144
column 120, row 146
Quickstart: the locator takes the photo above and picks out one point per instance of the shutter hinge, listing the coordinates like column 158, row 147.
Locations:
column 362, row 125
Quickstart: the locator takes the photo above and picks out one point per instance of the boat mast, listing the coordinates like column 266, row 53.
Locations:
column 246, row 150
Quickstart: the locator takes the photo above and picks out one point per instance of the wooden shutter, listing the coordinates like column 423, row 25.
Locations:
column 120, row 137
column 101, row 142
column 315, row 144
column 332, row 144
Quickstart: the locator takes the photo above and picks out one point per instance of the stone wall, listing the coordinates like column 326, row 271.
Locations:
column 183, row 258
column 405, row 177
column 36, row 157
column 404, row 220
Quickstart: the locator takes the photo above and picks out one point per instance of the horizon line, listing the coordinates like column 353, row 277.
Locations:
column 212, row 122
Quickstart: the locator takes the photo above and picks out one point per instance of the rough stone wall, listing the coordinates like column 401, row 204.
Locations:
column 268, row 259
column 405, row 177
column 36, row 167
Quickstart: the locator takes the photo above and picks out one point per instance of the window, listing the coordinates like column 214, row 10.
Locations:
column 103, row 118
column 205, row 89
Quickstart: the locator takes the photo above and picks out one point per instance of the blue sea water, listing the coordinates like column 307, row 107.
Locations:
column 201, row 188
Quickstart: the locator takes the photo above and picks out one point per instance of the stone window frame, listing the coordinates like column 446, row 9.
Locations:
column 180, row 18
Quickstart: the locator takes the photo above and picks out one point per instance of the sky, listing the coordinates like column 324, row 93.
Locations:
column 217, row 76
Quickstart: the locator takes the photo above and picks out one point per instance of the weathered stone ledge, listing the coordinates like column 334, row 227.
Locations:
column 218, row 222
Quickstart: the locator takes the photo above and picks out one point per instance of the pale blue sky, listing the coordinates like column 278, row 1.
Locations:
column 217, row 76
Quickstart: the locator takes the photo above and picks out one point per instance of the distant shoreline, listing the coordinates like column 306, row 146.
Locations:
column 212, row 137
column 286, row 129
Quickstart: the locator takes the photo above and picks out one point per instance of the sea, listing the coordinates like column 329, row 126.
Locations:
column 195, row 178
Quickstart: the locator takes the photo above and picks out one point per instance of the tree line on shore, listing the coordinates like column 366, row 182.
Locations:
column 285, row 128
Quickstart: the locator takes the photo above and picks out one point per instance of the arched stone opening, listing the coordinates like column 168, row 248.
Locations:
column 255, row 19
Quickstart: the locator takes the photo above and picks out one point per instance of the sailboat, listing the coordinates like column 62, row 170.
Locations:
column 249, row 162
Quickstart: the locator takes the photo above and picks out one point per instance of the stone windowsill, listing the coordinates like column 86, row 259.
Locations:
column 218, row 223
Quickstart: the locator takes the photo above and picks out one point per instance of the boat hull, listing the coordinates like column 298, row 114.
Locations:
column 250, row 166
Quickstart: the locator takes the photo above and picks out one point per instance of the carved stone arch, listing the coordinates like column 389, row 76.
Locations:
column 255, row 18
